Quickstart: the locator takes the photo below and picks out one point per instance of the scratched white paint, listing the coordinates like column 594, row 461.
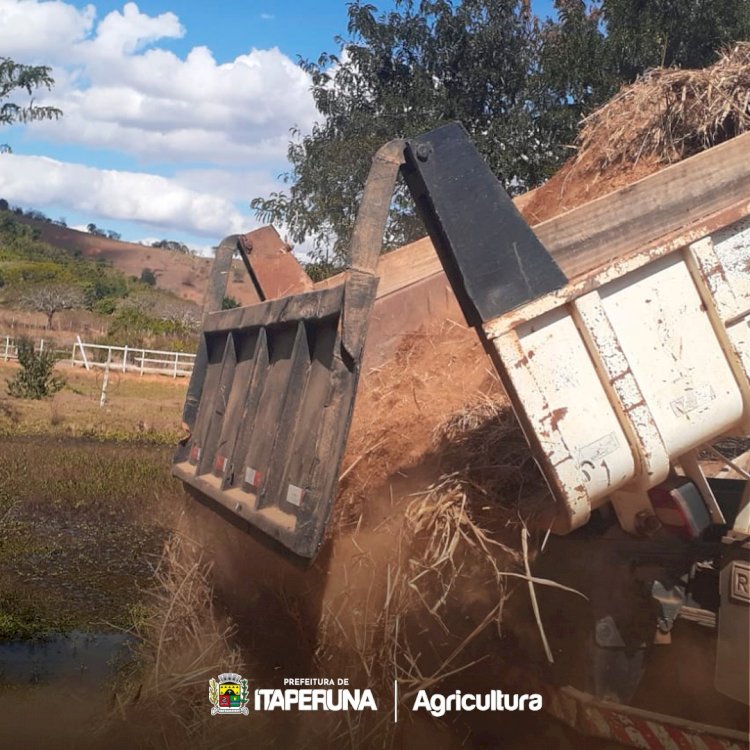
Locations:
column 618, row 383
column 732, row 245
column 667, row 337
column 571, row 415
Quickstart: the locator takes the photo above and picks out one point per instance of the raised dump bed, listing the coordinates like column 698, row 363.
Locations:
column 617, row 375
column 627, row 372
column 623, row 343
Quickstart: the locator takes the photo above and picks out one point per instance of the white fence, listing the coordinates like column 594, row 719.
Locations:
column 132, row 359
column 116, row 358
column 9, row 350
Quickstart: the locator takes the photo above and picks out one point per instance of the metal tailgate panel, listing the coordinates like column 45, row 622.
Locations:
column 274, row 412
column 271, row 397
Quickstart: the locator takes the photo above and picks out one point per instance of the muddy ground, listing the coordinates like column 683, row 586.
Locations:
column 81, row 528
column 77, row 559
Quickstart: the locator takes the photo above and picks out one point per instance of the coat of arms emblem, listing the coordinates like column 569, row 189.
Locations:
column 229, row 694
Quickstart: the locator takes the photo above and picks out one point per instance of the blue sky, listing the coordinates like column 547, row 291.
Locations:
column 176, row 113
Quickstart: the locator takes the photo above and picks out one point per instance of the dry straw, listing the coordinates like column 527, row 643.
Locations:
column 181, row 643
column 483, row 444
column 459, row 545
column 669, row 114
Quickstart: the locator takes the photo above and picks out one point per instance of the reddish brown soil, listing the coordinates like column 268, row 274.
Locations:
column 182, row 274
column 436, row 371
column 575, row 184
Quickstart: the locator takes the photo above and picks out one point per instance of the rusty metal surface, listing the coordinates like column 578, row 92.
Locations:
column 595, row 277
column 274, row 268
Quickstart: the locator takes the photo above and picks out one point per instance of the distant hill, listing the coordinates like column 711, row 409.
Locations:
column 182, row 274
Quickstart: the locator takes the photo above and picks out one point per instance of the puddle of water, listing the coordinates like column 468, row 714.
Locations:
column 67, row 678
column 77, row 658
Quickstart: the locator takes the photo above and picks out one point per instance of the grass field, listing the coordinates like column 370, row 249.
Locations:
column 139, row 409
column 85, row 497
column 81, row 526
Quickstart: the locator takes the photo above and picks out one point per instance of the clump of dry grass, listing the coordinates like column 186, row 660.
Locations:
column 372, row 631
column 449, row 540
column 483, row 445
column 388, row 623
column 9, row 411
column 450, row 571
column 181, row 644
column 669, row 114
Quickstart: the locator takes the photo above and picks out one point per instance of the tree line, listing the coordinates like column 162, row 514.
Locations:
column 520, row 85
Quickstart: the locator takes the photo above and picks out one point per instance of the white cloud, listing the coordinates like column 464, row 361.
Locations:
column 28, row 28
column 241, row 185
column 159, row 201
column 223, row 126
column 118, row 89
column 124, row 33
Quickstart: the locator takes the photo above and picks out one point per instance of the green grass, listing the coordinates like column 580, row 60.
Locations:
column 21, row 619
column 85, row 500
column 138, row 410
column 82, row 475
column 81, row 524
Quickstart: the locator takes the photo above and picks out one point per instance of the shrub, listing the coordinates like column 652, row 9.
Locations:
column 105, row 306
column 36, row 379
column 148, row 277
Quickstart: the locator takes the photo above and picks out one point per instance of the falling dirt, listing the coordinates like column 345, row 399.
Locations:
column 396, row 592
column 435, row 372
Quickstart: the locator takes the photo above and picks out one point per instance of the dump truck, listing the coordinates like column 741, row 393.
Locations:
column 623, row 344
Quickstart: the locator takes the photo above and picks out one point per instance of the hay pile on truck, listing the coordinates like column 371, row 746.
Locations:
column 544, row 513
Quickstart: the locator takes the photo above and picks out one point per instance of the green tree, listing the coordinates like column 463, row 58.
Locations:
column 15, row 77
column 318, row 270
column 422, row 65
column 95, row 230
column 595, row 46
column 644, row 34
column 36, row 378
column 520, row 86
column 573, row 75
